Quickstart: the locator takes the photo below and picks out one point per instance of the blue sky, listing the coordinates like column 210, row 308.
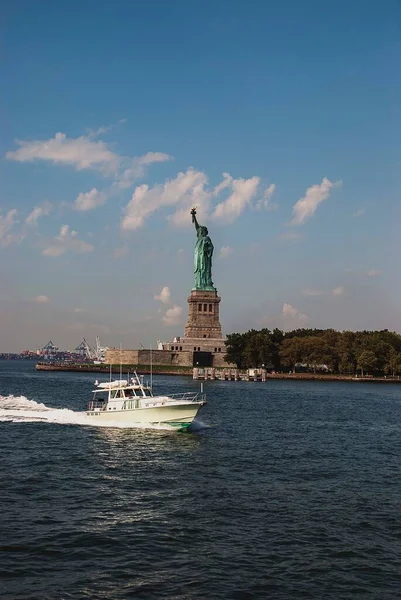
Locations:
column 279, row 120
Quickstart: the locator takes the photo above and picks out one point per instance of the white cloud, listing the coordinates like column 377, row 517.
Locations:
column 293, row 315
column 66, row 241
column 89, row 200
column 359, row 212
column 309, row 292
column 164, row 295
column 338, row 291
column 79, row 310
column 39, row 211
column 41, row 299
column 136, row 168
column 7, row 234
column 81, row 153
column 153, row 157
column 92, row 133
column 289, row 318
column 306, row 206
column 267, row 196
column 226, row 251
column 225, row 183
column 172, row 316
column 186, row 190
column 85, row 152
column 244, row 191
column 373, row 273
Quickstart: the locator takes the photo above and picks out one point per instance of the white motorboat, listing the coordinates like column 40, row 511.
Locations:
column 130, row 401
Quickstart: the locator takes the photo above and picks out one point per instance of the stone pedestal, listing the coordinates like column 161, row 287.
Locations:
column 203, row 315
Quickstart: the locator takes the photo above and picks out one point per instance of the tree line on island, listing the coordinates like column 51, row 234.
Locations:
column 340, row 352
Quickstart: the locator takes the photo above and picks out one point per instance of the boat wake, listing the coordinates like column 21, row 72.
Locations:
column 19, row 409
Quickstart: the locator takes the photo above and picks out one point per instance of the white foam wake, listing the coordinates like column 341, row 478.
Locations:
column 17, row 409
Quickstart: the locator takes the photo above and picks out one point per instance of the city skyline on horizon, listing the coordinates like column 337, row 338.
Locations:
column 118, row 122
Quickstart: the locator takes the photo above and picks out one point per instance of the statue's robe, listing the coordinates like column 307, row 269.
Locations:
column 203, row 262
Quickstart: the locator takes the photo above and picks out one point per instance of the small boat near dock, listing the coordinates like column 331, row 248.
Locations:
column 130, row 401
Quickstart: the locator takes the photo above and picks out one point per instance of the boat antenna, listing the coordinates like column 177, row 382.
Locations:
column 110, row 371
column 151, row 369
column 121, row 365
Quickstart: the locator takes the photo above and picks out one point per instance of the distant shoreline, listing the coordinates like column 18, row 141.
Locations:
column 188, row 372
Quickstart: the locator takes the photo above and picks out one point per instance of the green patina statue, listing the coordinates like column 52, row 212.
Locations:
column 203, row 257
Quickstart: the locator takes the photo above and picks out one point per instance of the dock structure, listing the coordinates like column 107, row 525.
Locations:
column 229, row 374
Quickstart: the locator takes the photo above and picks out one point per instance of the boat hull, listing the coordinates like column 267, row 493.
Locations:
column 179, row 416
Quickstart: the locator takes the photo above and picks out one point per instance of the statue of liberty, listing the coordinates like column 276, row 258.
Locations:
column 203, row 257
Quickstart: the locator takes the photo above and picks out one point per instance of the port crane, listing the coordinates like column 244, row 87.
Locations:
column 97, row 354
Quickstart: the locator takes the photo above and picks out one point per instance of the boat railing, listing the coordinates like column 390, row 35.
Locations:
column 96, row 404
column 187, row 396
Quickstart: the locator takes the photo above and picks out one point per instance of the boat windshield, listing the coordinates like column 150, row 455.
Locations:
column 132, row 391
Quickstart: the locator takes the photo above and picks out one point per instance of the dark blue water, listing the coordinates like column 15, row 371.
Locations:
column 293, row 492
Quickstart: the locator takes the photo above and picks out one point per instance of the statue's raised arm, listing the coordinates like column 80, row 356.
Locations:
column 203, row 257
column 194, row 219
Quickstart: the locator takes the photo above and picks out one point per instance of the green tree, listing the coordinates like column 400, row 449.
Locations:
column 291, row 352
column 345, row 350
column 366, row 360
column 277, row 337
column 393, row 364
column 317, row 352
column 235, row 345
column 259, row 349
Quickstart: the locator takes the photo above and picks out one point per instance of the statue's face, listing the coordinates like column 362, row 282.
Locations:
column 204, row 231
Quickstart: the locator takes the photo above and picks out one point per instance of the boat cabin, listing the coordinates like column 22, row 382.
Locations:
column 121, row 395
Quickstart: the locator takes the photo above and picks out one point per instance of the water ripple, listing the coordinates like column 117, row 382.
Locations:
column 293, row 493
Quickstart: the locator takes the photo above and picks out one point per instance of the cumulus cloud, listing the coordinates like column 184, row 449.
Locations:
column 89, row 200
column 172, row 316
column 306, row 207
column 81, row 152
column 225, row 183
column 66, row 241
column 164, row 295
column 293, row 316
column 359, row 212
column 267, row 196
column 289, row 318
column 373, row 273
column 85, row 152
column 38, row 212
column 92, row 133
column 8, row 235
column 182, row 192
column 41, row 299
column 79, row 310
column 135, row 168
column 244, row 190
column 226, row 251
column 338, row 291
column 188, row 189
